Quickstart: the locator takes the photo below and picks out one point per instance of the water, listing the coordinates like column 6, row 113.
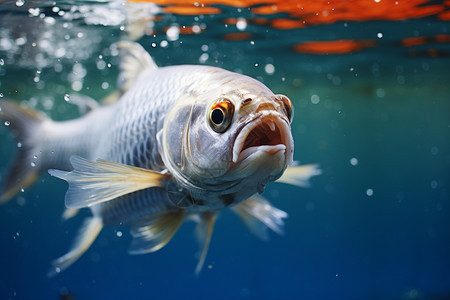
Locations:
column 372, row 110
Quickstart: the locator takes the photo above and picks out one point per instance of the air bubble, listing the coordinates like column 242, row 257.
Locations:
column 67, row 97
column 7, row 123
column 270, row 69
column 196, row 29
column 203, row 58
column 353, row 161
column 20, row 3
column 241, row 24
column 434, row 184
column 173, row 33
column 315, row 99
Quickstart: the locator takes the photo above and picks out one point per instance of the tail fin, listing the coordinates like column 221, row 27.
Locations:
column 24, row 124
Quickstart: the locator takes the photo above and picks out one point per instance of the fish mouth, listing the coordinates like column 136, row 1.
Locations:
column 268, row 132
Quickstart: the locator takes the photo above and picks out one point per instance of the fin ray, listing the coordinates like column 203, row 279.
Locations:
column 69, row 213
column 91, row 183
column 300, row 175
column 204, row 233
column 134, row 61
column 86, row 236
column 24, row 124
column 84, row 103
column 153, row 234
column 258, row 214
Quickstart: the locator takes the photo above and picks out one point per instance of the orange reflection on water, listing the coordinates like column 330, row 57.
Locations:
column 192, row 10
column 332, row 47
column 315, row 12
column 294, row 14
column 442, row 38
column 422, row 40
column 414, row 41
column 237, row 36
column 287, row 24
column 444, row 16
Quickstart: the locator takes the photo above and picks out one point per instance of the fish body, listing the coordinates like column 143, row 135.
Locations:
column 182, row 142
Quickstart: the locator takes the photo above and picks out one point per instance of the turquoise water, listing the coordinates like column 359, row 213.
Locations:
column 374, row 225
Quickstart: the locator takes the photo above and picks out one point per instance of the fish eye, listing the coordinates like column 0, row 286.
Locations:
column 287, row 105
column 220, row 115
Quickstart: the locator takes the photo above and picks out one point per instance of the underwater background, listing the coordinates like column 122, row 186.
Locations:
column 370, row 84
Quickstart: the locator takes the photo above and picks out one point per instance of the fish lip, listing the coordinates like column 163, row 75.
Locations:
column 277, row 120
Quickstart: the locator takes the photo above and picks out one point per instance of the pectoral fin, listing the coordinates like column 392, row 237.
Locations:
column 91, row 183
column 258, row 215
column 204, row 232
column 299, row 175
column 154, row 233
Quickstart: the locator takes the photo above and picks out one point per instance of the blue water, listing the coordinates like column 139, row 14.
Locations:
column 374, row 225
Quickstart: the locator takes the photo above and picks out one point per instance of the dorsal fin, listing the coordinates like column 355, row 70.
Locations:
column 134, row 61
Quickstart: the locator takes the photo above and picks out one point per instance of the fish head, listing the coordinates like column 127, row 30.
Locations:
column 224, row 145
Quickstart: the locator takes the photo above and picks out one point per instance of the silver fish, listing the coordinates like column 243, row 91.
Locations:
column 182, row 142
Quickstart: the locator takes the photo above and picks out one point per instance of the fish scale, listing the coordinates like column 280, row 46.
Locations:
column 135, row 206
column 156, row 157
column 140, row 115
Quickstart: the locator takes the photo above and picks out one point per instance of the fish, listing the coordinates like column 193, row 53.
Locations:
column 179, row 143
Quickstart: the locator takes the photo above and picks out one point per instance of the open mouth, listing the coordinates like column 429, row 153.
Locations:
column 268, row 132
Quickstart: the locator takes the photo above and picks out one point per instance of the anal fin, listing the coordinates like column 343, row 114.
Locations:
column 86, row 236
